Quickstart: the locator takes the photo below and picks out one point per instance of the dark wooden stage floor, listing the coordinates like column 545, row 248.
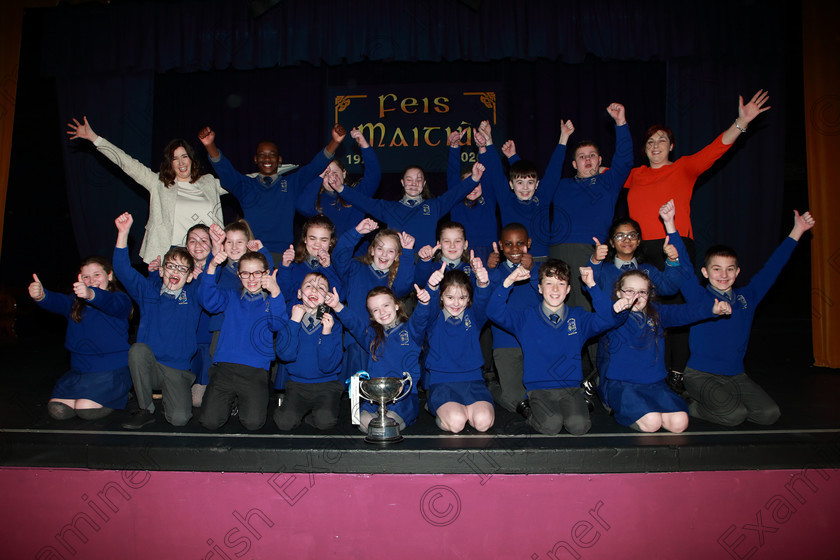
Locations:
column 808, row 433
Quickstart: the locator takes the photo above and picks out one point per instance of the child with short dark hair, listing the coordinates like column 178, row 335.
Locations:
column 97, row 337
column 715, row 378
column 551, row 335
column 507, row 388
column 245, row 347
column 313, row 353
column 166, row 337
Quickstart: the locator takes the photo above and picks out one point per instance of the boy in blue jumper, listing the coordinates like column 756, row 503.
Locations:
column 552, row 335
column 507, row 389
column 313, row 353
column 245, row 348
column 166, row 337
column 517, row 196
column 267, row 198
column 715, row 377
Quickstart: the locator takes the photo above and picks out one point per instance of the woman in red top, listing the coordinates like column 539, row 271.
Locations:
column 649, row 187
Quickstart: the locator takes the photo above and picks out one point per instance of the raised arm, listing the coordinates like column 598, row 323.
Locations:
column 746, row 114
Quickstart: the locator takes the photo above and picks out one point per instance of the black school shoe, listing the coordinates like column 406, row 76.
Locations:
column 138, row 418
column 676, row 384
column 524, row 408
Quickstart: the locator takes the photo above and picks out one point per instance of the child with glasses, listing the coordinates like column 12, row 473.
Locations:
column 166, row 337
column 631, row 357
column 245, row 348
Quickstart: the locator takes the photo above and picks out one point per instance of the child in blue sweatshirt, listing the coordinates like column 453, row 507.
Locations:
column 631, row 357
column 715, row 378
column 97, row 338
column 267, row 198
column 551, row 335
column 245, row 348
column 312, row 254
column 457, row 393
column 393, row 343
column 452, row 244
column 320, row 196
column 313, row 353
column 166, row 337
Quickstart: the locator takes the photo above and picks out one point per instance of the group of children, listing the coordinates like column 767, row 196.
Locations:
column 416, row 297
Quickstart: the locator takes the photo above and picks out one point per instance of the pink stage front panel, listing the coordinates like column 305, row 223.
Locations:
column 64, row 513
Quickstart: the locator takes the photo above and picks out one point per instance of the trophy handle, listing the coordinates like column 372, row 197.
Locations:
column 406, row 375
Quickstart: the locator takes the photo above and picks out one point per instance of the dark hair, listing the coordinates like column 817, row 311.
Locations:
column 467, row 172
column 653, row 130
column 584, row 144
column 254, row 256
column 378, row 329
column 513, row 226
column 555, row 268
column 617, row 223
column 167, row 174
column 318, row 220
column 316, row 274
column 459, row 279
column 367, row 258
column 523, row 169
column 78, row 303
column 202, row 227
column 719, row 251
column 340, row 202
column 426, row 193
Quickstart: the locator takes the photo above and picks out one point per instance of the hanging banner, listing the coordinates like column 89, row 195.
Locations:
column 410, row 124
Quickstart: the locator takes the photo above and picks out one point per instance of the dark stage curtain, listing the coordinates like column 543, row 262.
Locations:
column 251, row 78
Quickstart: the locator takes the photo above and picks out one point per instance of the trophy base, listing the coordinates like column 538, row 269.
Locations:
column 383, row 434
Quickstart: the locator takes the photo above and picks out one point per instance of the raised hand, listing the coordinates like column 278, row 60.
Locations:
column 667, row 212
column 480, row 139
column 427, row 252
column 601, row 251
column 366, row 226
column 254, row 245
column 422, row 295
column 81, row 130
column 406, row 240
column 527, row 260
column 154, row 266
column 494, row 258
column 746, row 113
column 288, row 256
column 437, row 276
column 82, row 290
column 587, row 276
column 481, row 275
column 217, row 238
column 722, row 308
column 454, row 139
column 338, row 133
column 616, row 111
column 509, row 149
column 486, row 130
column 36, row 289
column 360, row 139
column 218, row 259
column 801, row 224
column 519, row 273
column 207, row 136
column 269, row 283
column 298, row 311
column 333, row 302
column 623, row 303
column 566, row 130
column 327, row 323
column 670, row 251
column 477, row 172
column 123, row 222
column 324, row 258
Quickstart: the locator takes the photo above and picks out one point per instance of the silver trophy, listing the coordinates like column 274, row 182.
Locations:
column 384, row 391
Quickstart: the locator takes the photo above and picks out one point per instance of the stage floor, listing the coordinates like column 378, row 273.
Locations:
column 808, row 434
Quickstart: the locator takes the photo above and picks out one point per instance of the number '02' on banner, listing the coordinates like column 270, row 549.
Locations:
column 409, row 125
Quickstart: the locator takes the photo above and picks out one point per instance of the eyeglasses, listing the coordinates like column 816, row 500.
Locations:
column 176, row 268
column 633, row 293
column 631, row 235
column 256, row 274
